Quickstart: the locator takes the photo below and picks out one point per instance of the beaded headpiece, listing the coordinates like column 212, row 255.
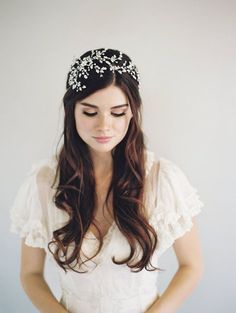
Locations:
column 82, row 67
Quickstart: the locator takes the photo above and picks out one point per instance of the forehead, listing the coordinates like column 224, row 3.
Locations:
column 109, row 97
column 91, row 105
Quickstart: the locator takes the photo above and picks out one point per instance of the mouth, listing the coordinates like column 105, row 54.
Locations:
column 102, row 139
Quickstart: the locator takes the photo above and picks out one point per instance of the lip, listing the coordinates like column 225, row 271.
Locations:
column 102, row 138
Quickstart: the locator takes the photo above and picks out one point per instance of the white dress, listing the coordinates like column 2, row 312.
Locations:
column 172, row 202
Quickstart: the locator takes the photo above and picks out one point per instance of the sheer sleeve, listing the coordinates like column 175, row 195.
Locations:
column 177, row 202
column 29, row 213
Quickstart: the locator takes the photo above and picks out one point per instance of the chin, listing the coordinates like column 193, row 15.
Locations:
column 102, row 147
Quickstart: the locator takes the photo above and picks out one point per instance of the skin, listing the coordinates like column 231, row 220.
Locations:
column 107, row 120
column 187, row 248
column 104, row 123
column 33, row 282
column 190, row 270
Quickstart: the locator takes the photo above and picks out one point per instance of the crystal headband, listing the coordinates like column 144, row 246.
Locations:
column 81, row 67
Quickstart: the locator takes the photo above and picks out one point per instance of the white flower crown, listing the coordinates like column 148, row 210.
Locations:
column 81, row 67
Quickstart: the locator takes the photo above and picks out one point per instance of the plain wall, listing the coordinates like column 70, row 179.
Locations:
column 185, row 52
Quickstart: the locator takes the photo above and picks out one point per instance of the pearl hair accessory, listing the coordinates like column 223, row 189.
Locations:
column 81, row 67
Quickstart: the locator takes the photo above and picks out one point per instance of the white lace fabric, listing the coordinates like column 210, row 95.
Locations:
column 171, row 201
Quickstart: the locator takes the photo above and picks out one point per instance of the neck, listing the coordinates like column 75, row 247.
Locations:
column 103, row 165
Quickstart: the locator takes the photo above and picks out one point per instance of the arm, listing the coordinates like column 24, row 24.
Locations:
column 188, row 252
column 33, row 282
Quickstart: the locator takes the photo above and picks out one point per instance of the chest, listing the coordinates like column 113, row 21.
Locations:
column 103, row 219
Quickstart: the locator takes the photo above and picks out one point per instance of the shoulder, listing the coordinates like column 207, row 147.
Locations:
column 158, row 166
column 164, row 168
column 44, row 166
column 30, row 213
column 175, row 180
column 42, row 172
column 177, row 201
column 171, row 186
column 150, row 161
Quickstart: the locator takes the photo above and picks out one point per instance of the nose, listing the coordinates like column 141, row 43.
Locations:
column 104, row 122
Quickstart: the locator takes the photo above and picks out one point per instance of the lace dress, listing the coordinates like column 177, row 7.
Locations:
column 172, row 202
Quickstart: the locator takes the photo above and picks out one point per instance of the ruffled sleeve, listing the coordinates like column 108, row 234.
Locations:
column 29, row 213
column 177, row 202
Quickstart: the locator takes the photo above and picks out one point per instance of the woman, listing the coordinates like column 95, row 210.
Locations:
column 104, row 209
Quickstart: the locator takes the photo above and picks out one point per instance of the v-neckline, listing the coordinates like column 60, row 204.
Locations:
column 106, row 236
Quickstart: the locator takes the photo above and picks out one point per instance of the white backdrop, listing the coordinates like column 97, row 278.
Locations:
column 185, row 51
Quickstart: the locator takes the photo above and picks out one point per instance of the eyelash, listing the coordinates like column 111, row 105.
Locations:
column 93, row 114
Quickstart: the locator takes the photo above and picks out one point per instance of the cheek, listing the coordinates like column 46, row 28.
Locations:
column 123, row 124
column 83, row 124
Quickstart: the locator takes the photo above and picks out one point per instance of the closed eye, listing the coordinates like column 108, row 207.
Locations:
column 95, row 113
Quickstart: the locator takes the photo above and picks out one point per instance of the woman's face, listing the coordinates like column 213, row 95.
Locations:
column 105, row 113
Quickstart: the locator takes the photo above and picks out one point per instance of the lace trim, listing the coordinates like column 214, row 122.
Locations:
column 174, row 224
column 33, row 230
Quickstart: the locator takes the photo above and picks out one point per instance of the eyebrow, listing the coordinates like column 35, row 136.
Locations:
column 94, row 106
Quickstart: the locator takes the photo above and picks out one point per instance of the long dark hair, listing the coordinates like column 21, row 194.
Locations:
column 75, row 192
